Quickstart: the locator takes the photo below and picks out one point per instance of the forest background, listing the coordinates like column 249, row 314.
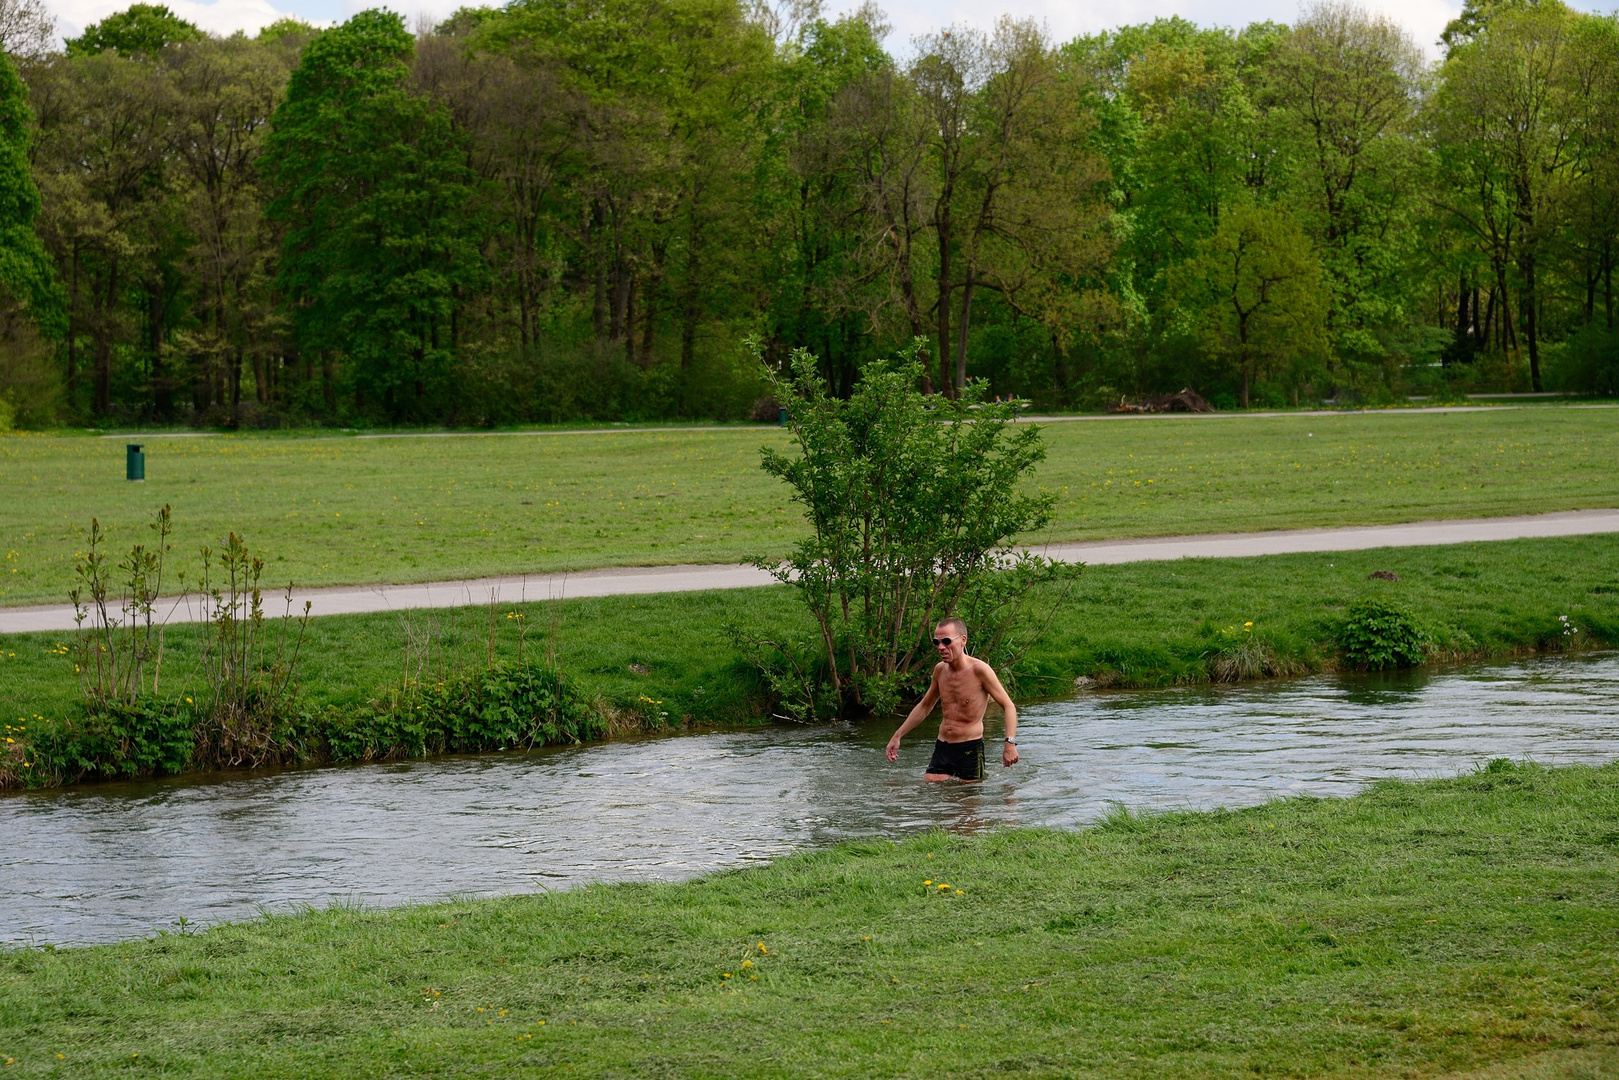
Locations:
column 580, row 210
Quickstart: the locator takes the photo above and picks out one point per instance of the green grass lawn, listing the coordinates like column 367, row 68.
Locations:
column 343, row 510
column 1417, row 930
column 1142, row 624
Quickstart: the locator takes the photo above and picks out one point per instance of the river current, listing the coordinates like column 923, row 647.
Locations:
column 115, row 861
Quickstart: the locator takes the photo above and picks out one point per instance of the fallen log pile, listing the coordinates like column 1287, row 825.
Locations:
column 1186, row 400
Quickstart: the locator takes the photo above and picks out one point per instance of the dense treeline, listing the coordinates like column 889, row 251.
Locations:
column 582, row 209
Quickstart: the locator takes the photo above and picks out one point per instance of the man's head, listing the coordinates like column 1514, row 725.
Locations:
column 950, row 638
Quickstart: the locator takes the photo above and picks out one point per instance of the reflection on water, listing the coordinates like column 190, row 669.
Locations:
column 117, row 861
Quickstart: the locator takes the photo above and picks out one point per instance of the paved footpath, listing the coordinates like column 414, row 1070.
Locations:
column 623, row 581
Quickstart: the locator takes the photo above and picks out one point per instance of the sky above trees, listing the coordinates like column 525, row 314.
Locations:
column 1423, row 19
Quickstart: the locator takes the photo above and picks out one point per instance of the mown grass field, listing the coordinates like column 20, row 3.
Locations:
column 348, row 510
column 1142, row 624
column 1417, row 930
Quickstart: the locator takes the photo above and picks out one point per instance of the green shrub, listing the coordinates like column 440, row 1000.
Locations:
column 1587, row 363
column 117, row 741
column 1376, row 636
column 498, row 708
column 912, row 502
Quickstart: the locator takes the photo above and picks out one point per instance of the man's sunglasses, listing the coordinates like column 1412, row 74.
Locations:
column 942, row 642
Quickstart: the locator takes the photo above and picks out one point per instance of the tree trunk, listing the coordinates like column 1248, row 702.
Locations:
column 236, row 388
column 1242, row 345
column 1607, row 279
column 103, row 344
column 1531, row 307
column 1509, row 333
column 1486, row 337
column 629, row 321
column 961, row 337
column 1461, row 308
column 621, row 286
column 162, row 402
column 649, row 305
column 943, row 227
column 598, row 307
column 73, row 331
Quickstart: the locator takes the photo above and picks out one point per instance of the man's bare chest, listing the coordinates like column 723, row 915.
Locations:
column 962, row 691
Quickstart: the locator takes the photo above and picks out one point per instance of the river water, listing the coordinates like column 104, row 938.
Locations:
column 115, row 861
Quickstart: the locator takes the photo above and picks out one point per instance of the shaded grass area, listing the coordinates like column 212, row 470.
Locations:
column 661, row 661
column 340, row 510
column 1416, row 930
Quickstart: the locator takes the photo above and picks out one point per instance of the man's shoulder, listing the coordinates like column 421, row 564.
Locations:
column 982, row 667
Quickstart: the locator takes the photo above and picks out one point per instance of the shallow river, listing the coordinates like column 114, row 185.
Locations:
column 116, row 861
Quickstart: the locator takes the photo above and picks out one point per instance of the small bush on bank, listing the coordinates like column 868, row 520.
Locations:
column 117, row 741
column 500, row 708
column 505, row 707
column 1376, row 636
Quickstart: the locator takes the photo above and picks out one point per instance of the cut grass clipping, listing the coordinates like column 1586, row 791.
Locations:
column 339, row 510
column 1416, row 930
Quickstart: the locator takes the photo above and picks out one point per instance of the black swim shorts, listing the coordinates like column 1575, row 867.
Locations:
column 964, row 760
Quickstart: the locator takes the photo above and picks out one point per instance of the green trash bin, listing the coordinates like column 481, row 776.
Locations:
column 134, row 462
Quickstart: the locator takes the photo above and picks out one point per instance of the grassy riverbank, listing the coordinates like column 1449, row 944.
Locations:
column 650, row 662
column 1417, row 930
column 337, row 510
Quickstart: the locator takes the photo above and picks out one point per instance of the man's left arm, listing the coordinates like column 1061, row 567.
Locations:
column 998, row 694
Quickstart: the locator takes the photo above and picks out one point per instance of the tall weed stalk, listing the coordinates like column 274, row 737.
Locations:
column 119, row 639
column 248, row 662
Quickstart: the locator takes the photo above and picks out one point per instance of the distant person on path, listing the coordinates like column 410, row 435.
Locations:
column 965, row 686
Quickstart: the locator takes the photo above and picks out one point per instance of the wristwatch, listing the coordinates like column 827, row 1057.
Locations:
column 1012, row 741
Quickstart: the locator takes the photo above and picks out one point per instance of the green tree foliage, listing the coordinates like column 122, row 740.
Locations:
column 31, row 303
column 371, row 180
column 1252, row 294
column 25, row 269
column 1514, row 120
column 555, row 210
column 139, row 30
column 1347, row 84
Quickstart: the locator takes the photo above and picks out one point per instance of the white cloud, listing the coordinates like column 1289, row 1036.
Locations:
column 1422, row 19
column 1065, row 19
column 219, row 17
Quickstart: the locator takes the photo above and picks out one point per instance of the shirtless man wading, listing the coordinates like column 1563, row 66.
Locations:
column 965, row 686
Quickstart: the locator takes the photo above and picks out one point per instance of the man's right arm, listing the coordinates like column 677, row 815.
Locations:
column 918, row 714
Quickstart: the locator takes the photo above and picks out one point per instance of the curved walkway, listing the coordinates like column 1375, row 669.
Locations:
column 621, row 581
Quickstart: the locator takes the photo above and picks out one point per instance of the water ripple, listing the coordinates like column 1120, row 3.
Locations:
column 117, row 861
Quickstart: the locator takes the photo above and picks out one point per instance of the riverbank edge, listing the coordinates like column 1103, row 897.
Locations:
column 1190, row 622
column 1419, row 928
